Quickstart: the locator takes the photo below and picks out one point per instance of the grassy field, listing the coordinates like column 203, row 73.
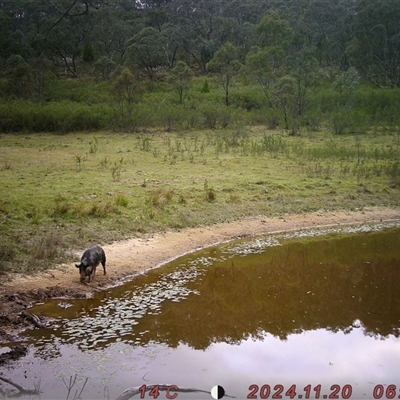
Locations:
column 63, row 192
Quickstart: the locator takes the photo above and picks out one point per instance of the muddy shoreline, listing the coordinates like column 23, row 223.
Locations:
column 134, row 256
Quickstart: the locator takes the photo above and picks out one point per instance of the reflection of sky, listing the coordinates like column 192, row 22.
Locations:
column 315, row 357
column 319, row 355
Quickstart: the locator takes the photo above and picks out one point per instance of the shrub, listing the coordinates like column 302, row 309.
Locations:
column 249, row 99
column 170, row 117
column 121, row 200
column 272, row 119
column 206, row 87
column 209, row 117
column 210, row 194
column 274, row 143
column 65, row 116
column 348, row 120
column 159, row 197
column 339, row 123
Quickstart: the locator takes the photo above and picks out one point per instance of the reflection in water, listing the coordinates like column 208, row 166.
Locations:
column 235, row 292
column 334, row 283
column 290, row 292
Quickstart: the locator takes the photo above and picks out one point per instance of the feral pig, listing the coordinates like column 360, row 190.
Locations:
column 90, row 259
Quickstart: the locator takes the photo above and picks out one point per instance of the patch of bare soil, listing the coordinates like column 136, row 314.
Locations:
column 128, row 258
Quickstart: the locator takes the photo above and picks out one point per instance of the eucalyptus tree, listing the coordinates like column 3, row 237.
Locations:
column 304, row 69
column 265, row 66
column 375, row 49
column 172, row 44
column 327, row 28
column 56, row 28
column 155, row 14
column 5, row 29
column 347, row 81
column 273, row 31
column 266, row 62
column 242, row 36
column 197, row 20
column 246, row 12
column 286, row 78
column 127, row 92
column 19, row 82
column 147, row 51
column 66, row 9
column 21, row 27
column 66, row 42
column 40, row 67
column 226, row 65
column 111, row 29
column 105, row 66
column 180, row 78
column 284, row 98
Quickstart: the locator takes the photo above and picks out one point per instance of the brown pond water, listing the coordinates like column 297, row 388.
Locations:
column 312, row 309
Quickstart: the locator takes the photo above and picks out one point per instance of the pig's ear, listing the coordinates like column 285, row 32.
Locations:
column 77, row 266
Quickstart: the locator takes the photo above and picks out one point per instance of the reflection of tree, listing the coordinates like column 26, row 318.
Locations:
column 380, row 311
column 304, row 285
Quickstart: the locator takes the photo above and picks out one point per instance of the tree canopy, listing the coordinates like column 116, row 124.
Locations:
column 156, row 34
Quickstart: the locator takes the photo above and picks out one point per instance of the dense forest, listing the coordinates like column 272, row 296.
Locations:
column 70, row 65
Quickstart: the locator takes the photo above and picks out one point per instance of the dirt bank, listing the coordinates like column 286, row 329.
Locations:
column 128, row 258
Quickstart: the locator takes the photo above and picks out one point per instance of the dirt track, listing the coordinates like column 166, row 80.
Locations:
column 128, row 258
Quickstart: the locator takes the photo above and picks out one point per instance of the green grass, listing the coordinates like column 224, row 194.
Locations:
column 61, row 192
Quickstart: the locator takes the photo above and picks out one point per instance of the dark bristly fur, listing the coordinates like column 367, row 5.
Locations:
column 90, row 259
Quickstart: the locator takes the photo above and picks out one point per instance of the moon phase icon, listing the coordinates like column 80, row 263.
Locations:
column 217, row 392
